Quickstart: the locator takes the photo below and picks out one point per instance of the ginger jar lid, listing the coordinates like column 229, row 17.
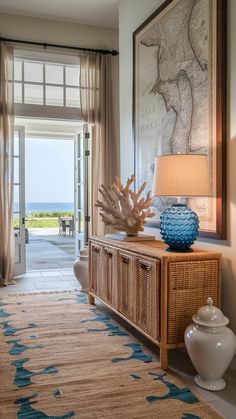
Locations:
column 210, row 316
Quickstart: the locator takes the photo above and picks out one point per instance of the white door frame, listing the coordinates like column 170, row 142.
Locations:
column 19, row 234
column 82, row 190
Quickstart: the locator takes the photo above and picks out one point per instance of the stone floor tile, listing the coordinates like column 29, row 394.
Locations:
column 62, row 286
column 51, row 273
column 227, row 410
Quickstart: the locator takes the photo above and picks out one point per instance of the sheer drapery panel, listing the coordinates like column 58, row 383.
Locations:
column 97, row 109
column 6, row 162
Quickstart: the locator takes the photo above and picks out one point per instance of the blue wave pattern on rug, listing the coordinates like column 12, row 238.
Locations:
column 183, row 394
column 137, row 353
column 27, row 411
column 23, row 376
column 112, row 329
column 4, row 313
column 2, row 304
column 135, row 377
column 82, row 298
column 19, row 348
column 9, row 330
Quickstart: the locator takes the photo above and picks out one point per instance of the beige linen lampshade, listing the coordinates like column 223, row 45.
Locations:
column 181, row 175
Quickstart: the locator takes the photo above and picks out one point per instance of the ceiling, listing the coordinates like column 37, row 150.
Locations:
column 91, row 12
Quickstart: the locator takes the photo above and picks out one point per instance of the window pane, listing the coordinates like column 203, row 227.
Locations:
column 54, row 96
column 72, row 97
column 72, row 76
column 33, row 71
column 80, row 222
column 80, row 147
column 16, row 197
column 80, row 196
column 16, row 220
column 18, row 92
column 16, row 170
column 33, row 94
column 81, row 173
column 54, row 73
column 18, row 70
column 16, row 143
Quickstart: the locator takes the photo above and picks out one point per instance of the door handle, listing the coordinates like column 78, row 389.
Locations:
column 145, row 266
column 23, row 220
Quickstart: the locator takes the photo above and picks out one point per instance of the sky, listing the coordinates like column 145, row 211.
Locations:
column 49, row 170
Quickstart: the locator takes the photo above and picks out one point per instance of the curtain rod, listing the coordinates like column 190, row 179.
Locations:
column 45, row 45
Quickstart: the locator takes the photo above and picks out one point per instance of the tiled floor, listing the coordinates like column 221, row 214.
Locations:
column 63, row 280
column 48, row 250
column 48, row 280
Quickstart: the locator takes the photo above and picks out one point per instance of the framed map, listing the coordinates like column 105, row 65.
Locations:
column 179, row 102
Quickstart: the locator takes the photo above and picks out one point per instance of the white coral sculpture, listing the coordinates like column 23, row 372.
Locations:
column 123, row 209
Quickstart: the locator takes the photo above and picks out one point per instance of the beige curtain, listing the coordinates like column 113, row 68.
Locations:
column 6, row 163
column 97, row 109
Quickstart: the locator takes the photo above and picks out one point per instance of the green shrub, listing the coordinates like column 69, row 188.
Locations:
column 49, row 214
column 38, row 223
column 42, row 219
column 43, row 223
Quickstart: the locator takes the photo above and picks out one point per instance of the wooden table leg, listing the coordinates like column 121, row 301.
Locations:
column 91, row 299
column 164, row 358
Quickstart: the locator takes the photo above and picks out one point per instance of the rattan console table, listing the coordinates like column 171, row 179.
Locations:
column 156, row 291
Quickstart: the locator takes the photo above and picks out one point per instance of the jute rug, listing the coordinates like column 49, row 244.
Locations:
column 62, row 358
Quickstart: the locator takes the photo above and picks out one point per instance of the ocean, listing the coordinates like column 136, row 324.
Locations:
column 49, row 207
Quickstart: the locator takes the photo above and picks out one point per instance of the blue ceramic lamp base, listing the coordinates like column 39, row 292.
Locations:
column 179, row 227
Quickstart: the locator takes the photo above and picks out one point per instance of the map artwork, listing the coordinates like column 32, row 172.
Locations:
column 175, row 95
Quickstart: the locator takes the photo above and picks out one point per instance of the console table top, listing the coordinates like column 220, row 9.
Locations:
column 157, row 248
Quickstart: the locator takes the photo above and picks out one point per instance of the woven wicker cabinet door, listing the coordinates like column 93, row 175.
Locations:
column 126, row 285
column 147, row 295
column 190, row 284
column 95, row 267
column 109, row 280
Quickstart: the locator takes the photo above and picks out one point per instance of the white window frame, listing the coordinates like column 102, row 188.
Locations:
column 47, row 111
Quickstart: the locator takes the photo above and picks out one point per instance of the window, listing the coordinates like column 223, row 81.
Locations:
column 47, row 87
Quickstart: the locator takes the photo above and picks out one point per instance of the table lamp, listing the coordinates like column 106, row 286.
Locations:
column 180, row 175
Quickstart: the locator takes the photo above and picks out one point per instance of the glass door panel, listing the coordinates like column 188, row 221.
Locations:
column 82, row 146
column 19, row 200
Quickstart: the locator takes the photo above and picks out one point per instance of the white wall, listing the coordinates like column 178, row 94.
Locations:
column 66, row 33
column 131, row 14
column 54, row 31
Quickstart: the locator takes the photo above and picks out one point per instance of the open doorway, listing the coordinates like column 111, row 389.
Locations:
column 51, row 180
column 48, row 126
column 49, row 203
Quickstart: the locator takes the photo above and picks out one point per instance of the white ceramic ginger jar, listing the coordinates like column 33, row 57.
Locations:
column 81, row 269
column 211, row 346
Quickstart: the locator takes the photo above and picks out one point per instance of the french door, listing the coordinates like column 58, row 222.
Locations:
column 82, row 189
column 19, row 200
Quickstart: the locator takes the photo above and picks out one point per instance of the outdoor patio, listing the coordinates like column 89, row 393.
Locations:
column 48, row 250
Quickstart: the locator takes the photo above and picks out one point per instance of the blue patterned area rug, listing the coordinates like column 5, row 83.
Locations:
column 61, row 358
